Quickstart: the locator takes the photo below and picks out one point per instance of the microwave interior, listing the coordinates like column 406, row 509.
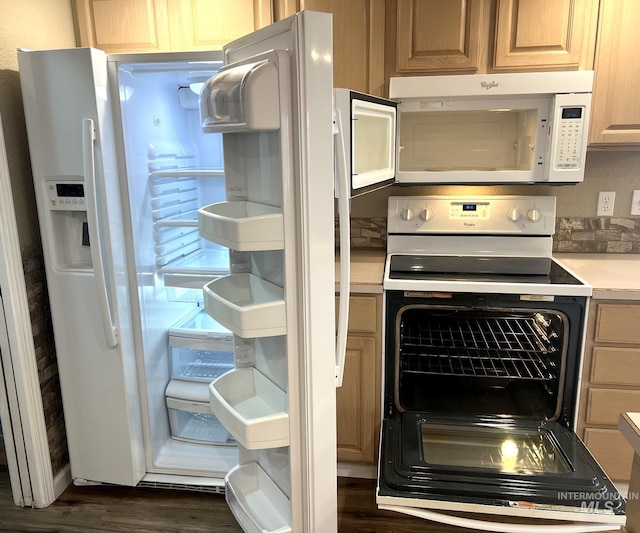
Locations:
column 487, row 136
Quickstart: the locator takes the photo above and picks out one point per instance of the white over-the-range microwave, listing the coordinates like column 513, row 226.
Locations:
column 468, row 129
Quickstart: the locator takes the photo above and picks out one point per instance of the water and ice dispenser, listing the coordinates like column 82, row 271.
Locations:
column 68, row 208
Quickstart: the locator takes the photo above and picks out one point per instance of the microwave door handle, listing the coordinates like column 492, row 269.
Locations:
column 342, row 192
column 498, row 527
column 95, row 246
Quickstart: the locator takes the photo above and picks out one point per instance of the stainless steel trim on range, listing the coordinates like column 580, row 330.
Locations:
column 483, row 343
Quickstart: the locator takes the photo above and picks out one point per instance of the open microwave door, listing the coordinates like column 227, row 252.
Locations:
column 436, row 467
column 367, row 136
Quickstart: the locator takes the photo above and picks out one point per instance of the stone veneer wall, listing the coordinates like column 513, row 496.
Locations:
column 34, row 274
column 575, row 234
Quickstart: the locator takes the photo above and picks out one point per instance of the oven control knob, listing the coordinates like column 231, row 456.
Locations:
column 534, row 214
column 407, row 213
column 514, row 214
column 426, row 214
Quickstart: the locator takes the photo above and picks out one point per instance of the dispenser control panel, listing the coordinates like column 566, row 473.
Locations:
column 66, row 195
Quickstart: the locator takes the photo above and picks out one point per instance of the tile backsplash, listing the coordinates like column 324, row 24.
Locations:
column 597, row 235
column 573, row 234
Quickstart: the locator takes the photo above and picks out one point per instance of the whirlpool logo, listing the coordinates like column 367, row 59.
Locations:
column 489, row 84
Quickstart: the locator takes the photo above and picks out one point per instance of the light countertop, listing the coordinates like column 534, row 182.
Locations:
column 629, row 426
column 612, row 276
column 367, row 270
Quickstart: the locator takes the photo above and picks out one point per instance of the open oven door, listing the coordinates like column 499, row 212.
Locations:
column 433, row 463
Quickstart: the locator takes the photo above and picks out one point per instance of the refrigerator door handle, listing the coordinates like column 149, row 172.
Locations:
column 498, row 527
column 342, row 193
column 89, row 167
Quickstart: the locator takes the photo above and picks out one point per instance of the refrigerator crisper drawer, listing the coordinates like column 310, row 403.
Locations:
column 252, row 408
column 201, row 349
column 242, row 226
column 196, row 360
column 237, row 99
column 255, row 500
column 190, row 416
column 247, row 305
column 194, row 422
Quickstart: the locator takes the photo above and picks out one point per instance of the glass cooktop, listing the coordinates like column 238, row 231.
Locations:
column 480, row 269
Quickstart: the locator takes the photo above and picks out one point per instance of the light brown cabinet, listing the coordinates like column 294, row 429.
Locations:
column 358, row 400
column 162, row 25
column 610, row 382
column 358, row 39
column 436, row 36
column 615, row 114
column 476, row 36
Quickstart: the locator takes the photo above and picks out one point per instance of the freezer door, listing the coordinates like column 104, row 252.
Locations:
column 521, row 469
column 366, row 134
column 73, row 160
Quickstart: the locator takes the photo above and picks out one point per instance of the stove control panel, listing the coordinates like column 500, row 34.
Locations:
column 489, row 215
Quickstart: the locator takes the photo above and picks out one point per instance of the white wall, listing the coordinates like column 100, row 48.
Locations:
column 36, row 24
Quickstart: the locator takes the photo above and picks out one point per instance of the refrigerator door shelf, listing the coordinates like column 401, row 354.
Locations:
column 193, row 422
column 237, row 99
column 252, row 408
column 247, row 305
column 255, row 500
column 242, row 226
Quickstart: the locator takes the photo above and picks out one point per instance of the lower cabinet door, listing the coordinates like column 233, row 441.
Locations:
column 611, row 450
column 358, row 423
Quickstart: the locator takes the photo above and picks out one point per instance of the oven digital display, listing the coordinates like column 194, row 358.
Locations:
column 468, row 210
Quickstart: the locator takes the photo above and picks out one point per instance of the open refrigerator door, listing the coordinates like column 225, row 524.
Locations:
column 278, row 402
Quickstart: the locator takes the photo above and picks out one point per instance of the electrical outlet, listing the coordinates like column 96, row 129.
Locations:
column 606, row 201
column 635, row 203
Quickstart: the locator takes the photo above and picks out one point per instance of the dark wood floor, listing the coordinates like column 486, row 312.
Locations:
column 121, row 509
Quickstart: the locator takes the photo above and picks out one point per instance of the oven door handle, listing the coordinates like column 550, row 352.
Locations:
column 342, row 192
column 500, row 527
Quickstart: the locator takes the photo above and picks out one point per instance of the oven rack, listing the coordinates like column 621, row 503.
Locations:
column 477, row 363
column 496, row 347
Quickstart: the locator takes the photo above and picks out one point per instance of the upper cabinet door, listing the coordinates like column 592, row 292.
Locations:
column 123, row 25
column 165, row 25
column 544, row 34
column 358, row 40
column 615, row 113
column 210, row 24
column 438, row 35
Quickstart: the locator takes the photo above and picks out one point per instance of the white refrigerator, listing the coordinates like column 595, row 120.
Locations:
column 186, row 206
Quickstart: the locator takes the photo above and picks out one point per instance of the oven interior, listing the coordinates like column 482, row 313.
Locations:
column 478, row 358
